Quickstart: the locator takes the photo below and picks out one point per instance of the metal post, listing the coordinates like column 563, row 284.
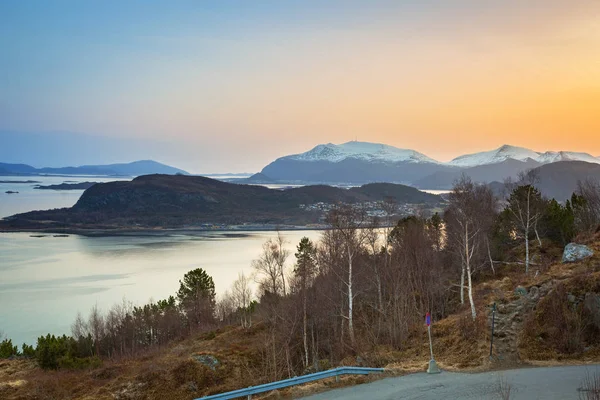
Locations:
column 430, row 342
column 433, row 368
column 493, row 323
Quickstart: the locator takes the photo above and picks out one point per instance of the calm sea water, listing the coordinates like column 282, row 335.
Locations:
column 45, row 281
column 29, row 199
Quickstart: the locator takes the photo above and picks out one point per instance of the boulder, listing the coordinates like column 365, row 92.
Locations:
column 208, row 360
column 576, row 252
column 521, row 291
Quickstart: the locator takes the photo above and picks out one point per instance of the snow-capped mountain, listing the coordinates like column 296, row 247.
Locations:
column 362, row 151
column 495, row 156
column 555, row 156
column 353, row 162
column 362, row 162
column 508, row 152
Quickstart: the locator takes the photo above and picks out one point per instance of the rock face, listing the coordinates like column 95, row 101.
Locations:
column 576, row 252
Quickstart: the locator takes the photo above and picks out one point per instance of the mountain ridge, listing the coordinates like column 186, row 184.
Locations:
column 363, row 162
column 134, row 168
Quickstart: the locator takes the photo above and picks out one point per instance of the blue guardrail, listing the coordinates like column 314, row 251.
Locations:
column 298, row 380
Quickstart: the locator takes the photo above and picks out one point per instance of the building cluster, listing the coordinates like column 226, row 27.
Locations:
column 372, row 208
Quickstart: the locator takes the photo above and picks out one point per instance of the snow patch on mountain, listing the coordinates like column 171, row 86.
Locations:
column 521, row 154
column 375, row 152
column 555, row 156
column 494, row 156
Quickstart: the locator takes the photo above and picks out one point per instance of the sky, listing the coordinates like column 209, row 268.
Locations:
column 215, row 86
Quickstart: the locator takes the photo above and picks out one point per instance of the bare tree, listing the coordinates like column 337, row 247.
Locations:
column 225, row 306
column 525, row 208
column 267, row 269
column 79, row 326
column 242, row 297
column 95, row 325
column 373, row 241
column 349, row 221
column 280, row 255
column 586, row 205
column 469, row 204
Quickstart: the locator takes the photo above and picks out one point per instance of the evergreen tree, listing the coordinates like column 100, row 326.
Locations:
column 7, row 349
column 559, row 222
column 196, row 296
column 305, row 269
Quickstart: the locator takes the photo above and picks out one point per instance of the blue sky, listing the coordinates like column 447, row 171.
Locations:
column 243, row 82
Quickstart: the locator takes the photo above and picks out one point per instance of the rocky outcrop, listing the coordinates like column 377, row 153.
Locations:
column 576, row 252
column 509, row 319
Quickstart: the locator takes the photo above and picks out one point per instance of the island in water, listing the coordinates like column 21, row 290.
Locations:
column 154, row 202
column 67, row 186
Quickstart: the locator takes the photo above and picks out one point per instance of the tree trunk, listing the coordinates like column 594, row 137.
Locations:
column 468, row 265
column 473, row 311
column 527, row 251
column 314, row 346
column 283, row 282
column 379, row 294
column 537, row 235
column 350, row 300
column 462, row 284
column 305, row 328
column 487, row 241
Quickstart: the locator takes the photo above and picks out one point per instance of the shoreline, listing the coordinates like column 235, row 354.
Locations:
column 188, row 231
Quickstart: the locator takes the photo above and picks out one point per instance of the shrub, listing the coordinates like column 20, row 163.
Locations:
column 62, row 352
column 7, row 349
column 28, row 351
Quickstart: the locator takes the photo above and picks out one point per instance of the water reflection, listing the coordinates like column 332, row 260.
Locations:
column 45, row 281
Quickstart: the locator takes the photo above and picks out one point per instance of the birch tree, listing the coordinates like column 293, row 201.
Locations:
column 524, row 208
column 469, row 204
column 349, row 221
column 280, row 255
column 241, row 294
column 267, row 269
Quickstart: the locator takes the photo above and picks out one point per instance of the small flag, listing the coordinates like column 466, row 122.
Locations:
column 428, row 319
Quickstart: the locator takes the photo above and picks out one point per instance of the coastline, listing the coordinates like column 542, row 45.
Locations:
column 187, row 231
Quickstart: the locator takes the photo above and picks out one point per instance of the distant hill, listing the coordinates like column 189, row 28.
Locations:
column 559, row 180
column 135, row 168
column 180, row 201
column 481, row 173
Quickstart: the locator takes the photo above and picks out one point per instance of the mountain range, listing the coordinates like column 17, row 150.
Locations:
column 136, row 168
column 362, row 162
